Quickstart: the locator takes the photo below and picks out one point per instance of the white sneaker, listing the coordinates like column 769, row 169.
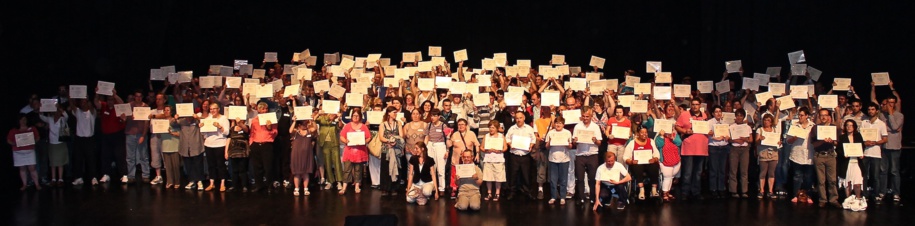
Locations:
column 189, row 186
column 78, row 182
column 157, row 180
column 105, row 179
column 200, row 185
column 124, row 179
column 286, row 183
column 94, row 182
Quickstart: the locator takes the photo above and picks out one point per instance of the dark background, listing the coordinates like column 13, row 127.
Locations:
column 46, row 44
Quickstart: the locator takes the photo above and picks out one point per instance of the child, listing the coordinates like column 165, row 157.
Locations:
column 24, row 154
column 303, row 147
column 560, row 141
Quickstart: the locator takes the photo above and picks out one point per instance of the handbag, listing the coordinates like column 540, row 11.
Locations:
column 374, row 145
column 64, row 133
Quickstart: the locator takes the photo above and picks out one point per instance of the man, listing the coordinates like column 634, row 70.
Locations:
column 739, row 156
column 694, row 150
column 605, row 179
column 137, row 149
column 469, row 196
column 449, row 117
column 261, row 142
column 856, row 113
column 873, row 164
column 519, row 157
column 825, row 162
column 587, row 136
column 893, row 146
column 155, row 142
column 113, row 147
column 84, row 156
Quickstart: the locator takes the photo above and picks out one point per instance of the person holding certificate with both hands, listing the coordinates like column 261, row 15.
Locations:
column 641, row 154
column 355, row 135
column 521, row 140
column 850, row 152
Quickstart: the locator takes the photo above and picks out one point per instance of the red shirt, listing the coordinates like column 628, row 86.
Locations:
column 613, row 122
column 11, row 137
column 111, row 123
column 260, row 134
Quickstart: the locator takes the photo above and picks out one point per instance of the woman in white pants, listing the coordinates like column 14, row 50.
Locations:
column 420, row 180
column 669, row 146
column 437, row 144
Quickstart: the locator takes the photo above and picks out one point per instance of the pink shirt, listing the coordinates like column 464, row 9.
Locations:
column 696, row 144
column 260, row 134
column 358, row 153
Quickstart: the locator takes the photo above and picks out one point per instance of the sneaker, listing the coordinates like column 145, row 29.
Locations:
column 295, row 192
column 157, row 180
column 78, row 182
column 879, row 197
column 896, row 198
column 551, row 201
column 569, row 195
column 105, row 179
column 276, row 184
column 190, row 186
column 287, row 184
column 744, row 195
column 124, row 179
column 200, row 186
column 562, row 202
column 621, row 206
column 94, row 182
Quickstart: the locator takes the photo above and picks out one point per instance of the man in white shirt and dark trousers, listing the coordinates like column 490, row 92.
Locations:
column 519, row 159
column 873, row 164
column 586, row 159
column 611, row 176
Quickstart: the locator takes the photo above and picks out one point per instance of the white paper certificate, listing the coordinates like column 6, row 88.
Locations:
column 662, row 124
column 740, row 131
column 771, row 138
column 721, row 130
column 639, row 106
column 559, row 139
column 619, row 132
column 207, row 125
column 265, row 91
column 465, row 170
column 263, row 118
column 426, row 84
column 159, row 125
column 78, row 91
column 798, row 132
column 828, row 101
column 701, row 127
column 549, row 99
column 572, row 116
column 881, row 78
column 355, row 138
column 853, row 149
column 460, row 55
column 374, row 117
column 330, row 106
column 184, row 110
column 303, row 112
column 141, row 113
column 842, row 84
column 642, row 156
column 642, row 88
column 704, row 86
column 105, row 88
column 493, row 144
column 870, row 134
column 662, row 92
column 237, row 112
column 521, row 142
column 681, row 91
column 25, row 139
column 584, row 136
column 824, row 132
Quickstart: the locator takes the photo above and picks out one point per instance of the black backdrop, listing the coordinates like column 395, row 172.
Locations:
column 44, row 44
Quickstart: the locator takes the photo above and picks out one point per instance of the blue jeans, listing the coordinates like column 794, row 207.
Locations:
column 606, row 193
column 891, row 167
column 137, row 153
column 718, row 159
column 781, row 168
column 692, row 174
column 874, row 169
column 559, row 176
column 803, row 177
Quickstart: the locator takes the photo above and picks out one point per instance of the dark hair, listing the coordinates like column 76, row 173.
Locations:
column 387, row 112
column 741, row 112
column 803, row 109
column 559, row 120
column 853, row 125
column 435, row 112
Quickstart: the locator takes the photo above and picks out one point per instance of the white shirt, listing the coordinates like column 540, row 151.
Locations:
column 54, row 127
column 745, row 126
column 585, row 147
column 217, row 139
column 558, row 154
column 524, row 130
column 627, row 152
column 711, row 141
column 874, row 151
column 800, row 152
column 603, row 173
column 85, row 123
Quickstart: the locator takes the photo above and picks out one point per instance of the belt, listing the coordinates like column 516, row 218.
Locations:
column 824, row 152
column 263, row 142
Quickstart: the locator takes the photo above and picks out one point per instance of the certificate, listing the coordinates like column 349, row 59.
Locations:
column 481, row 99
column 320, row 86
column 78, row 91
column 549, row 99
column 662, row 92
column 141, row 113
column 237, row 112
column 704, row 86
column 663, row 77
column 722, row 130
column 777, row 89
column 521, row 142
column 584, row 136
column 853, row 149
column 626, row 100
column 292, row 90
column 799, row 92
column 263, row 118
column 599, row 86
column 642, row 88
column 751, row 84
column 740, row 131
column 513, row 98
column 409, row 57
column 701, row 127
column 330, row 106
column 652, row 66
column 494, row 144
column 558, row 59
column 577, row 84
column 663, row 125
column 156, row 74
column 25, row 139
column 460, row 55
column 355, row 138
column 493, row 157
column 571, row 116
column 50, row 105
column 208, row 125
column 185, row 76
column 426, row 84
column 632, row 80
column 303, row 112
column 465, row 170
column 619, row 132
column 785, row 102
column 870, row 134
column 206, row 82
column 733, row 66
column 762, row 79
column 184, row 110
column 337, row 91
column 159, row 125
column 723, row 86
column 842, row 84
column 374, row 117
column 682, row 91
column 258, row 73
column 772, row 138
column 824, row 132
column 642, row 156
column 763, row 97
column 559, row 139
column 264, row 91
column 347, row 63
column 881, row 78
column 828, row 101
column 728, row 117
column 490, row 64
column 233, row 82
column 796, row 131
column 303, row 73
column 484, row 80
column 435, row 51
column 443, row 82
column 105, row 88
column 270, row 57
column 597, row 62
column 354, row 100
column 798, row 69
column 639, row 106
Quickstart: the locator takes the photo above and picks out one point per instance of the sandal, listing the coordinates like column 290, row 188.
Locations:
column 773, row 196
column 488, row 197
column 496, row 199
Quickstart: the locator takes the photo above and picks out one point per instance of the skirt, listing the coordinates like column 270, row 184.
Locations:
column 853, row 174
column 57, row 154
column 24, row 158
column 494, row 172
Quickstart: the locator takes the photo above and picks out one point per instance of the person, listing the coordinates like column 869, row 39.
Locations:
column 559, row 141
column 391, row 151
column 586, row 135
column 519, row 157
column 137, row 142
column 543, row 124
column 768, row 155
column 355, row 154
column 494, row 161
column 739, row 156
column 24, row 153
column 215, row 145
column 57, row 149
column 650, row 168
column 694, row 149
column 420, row 180
column 469, row 195
column 718, row 154
column 894, row 119
column 619, row 119
column 328, row 142
column 169, row 146
column 873, row 164
column 114, row 148
column 155, row 140
column 606, row 180
column 853, row 180
column 85, row 155
column 237, row 149
column 261, row 144
column 462, row 140
column 669, row 146
column 801, row 157
column 825, row 161
column 437, row 143
column 415, row 131
column 302, row 154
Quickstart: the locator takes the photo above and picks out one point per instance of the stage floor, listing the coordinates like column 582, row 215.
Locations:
column 117, row 204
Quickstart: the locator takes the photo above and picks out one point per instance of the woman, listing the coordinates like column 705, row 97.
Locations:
column 801, row 156
column 849, row 165
column 215, row 146
column 768, row 156
column 57, row 150
column 718, row 149
column 409, row 101
column 462, row 140
column 170, row 156
column 437, row 143
column 421, row 181
column 302, row 154
column 328, row 142
column 24, row 154
column 415, row 131
column 669, row 146
column 355, row 154
column 237, row 150
column 191, row 148
column 425, row 109
column 469, row 197
column 494, row 167
column 391, row 151
column 559, row 159
column 642, row 143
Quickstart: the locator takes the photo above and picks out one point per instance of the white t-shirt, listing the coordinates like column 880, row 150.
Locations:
column 874, row 151
column 85, row 123
column 733, row 127
column 558, row 154
column 217, row 139
column 603, row 173
column 525, row 131
column 585, row 147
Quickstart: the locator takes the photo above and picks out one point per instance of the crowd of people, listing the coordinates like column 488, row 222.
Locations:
column 429, row 130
